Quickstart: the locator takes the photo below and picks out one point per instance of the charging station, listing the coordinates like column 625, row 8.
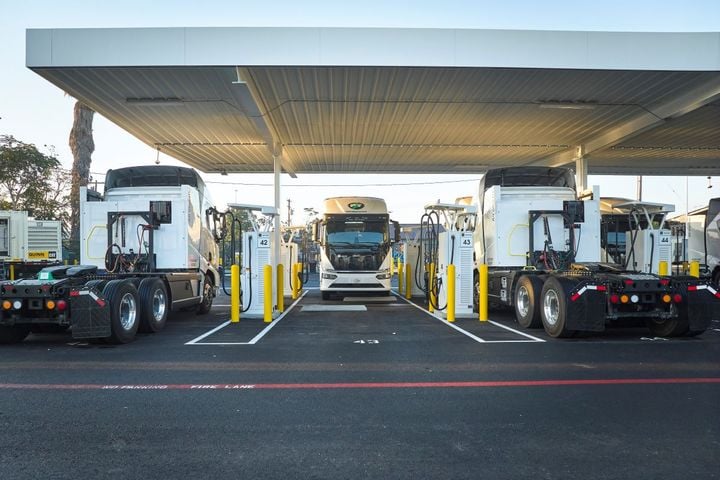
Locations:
column 257, row 252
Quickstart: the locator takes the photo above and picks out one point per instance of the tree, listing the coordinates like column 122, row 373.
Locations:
column 82, row 146
column 26, row 179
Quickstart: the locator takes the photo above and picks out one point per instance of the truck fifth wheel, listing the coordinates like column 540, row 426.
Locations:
column 147, row 248
column 542, row 244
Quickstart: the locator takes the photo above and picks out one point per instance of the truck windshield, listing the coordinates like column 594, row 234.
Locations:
column 357, row 243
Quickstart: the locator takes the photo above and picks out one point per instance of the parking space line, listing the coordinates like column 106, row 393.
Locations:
column 255, row 339
column 475, row 337
column 534, row 339
column 464, row 332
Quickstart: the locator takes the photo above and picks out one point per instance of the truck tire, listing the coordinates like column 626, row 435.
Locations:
column 154, row 305
column 554, row 298
column 671, row 327
column 208, row 295
column 122, row 298
column 15, row 334
column 527, row 301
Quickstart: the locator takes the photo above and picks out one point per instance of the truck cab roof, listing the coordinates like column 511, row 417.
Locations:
column 153, row 176
column 528, row 177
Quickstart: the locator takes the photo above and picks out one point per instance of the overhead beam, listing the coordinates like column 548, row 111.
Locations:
column 259, row 112
column 652, row 116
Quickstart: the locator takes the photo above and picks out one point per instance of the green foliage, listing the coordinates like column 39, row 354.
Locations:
column 33, row 181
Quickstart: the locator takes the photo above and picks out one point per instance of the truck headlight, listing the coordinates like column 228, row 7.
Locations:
column 329, row 276
column 383, row 276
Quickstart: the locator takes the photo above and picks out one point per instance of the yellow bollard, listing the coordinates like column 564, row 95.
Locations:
column 431, row 282
column 280, row 290
column 235, row 293
column 75, row 262
column 293, row 281
column 408, row 280
column 695, row 269
column 451, row 293
column 267, row 293
column 400, row 278
column 12, row 272
column 663, row 268
column 483, row 293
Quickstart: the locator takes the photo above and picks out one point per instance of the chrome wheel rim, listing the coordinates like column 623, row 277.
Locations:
column 523, row 301
column 551, row 306
column 158, row 305
column 128, row 311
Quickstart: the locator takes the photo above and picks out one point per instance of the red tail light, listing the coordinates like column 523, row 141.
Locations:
column 614, row 298
column 61, row 305
column 677, row 298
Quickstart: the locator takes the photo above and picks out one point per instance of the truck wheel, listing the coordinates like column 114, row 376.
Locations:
column 122, row 297
column 554, row 309
column 208, row 295
column 14, row 334
column 527, row 301
column 153, row 305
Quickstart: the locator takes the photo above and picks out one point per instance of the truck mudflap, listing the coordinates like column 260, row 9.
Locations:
column 90, row 313
column 586, row 306
column 703, row 305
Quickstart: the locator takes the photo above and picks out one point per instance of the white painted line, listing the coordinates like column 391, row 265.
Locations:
column 255, row 339
column 334, row 308
column 536, row 339
column 207, row 334
column 265, row 330
column 464, row 332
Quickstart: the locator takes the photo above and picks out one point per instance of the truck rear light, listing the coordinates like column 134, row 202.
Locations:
column 7, row 305
column 50, row 305
column 61, row 305
column 664, row 282
column 614, row 298
column 17, row 304
column 624, row 298
column 601, row 288
column 666, row 298
column 677, row 298
column 634, row 299
column 628, row 282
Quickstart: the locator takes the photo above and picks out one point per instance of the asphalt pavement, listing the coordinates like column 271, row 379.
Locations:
column 372, row 388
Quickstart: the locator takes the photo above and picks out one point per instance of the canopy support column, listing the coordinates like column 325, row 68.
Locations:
column 581, row 170
column 276, row 218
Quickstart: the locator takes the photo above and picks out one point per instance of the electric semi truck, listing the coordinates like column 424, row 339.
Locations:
column 147, row 247
column 355, row 235
column 541, row 242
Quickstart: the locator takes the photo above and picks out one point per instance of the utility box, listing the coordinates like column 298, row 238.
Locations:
column 410, row 251
column 44, row 240
column 456, row 248
column 256, row 253
column 649, row 249
column 13, row 235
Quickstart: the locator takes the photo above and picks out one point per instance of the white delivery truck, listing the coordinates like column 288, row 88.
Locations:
column 541, row 242
column 147, row 247
column 355, row 235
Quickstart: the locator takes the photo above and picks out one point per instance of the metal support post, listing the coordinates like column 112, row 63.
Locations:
column 451, row 293
column 235, row 293
column 695, row 269
column 267, row 293
column 400, row 278
column 580, row 169
column 483, row 293
column 276, row 220
column 431, row 282
column 12, row 272
column 408, row 279
column 293, row 281
column 280, row 289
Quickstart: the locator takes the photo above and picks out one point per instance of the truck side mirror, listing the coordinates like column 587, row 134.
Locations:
column 315, row 232
column 396, row 232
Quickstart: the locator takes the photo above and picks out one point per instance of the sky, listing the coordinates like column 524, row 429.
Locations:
column 35, row 111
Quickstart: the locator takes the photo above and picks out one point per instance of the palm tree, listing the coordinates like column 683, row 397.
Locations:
column 82, row 146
